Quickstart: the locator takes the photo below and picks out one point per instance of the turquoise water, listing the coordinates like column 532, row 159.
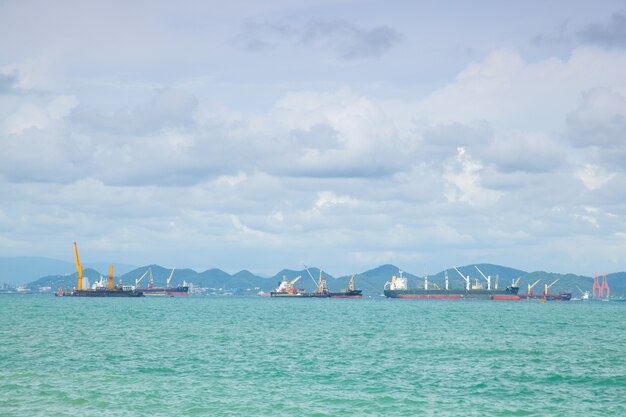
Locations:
column 314, row 357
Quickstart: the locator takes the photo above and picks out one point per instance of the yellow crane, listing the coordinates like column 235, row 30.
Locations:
column 530, row 286
column 321, row 285
column 546, row 287
column 110, row 277
column 351, row 283
column 79, row 268
column 293, row 281
column 290, row 289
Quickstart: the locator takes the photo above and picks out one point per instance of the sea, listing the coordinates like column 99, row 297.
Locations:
column 259, row 356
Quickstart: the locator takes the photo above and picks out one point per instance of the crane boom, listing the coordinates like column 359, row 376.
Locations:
column 308, row 272
column 138, row 280
column 169, row 279
column 79, row 269
column 293, row 281
column 351, row 283
column 467, row 280
column 546, row 287
column 530, row 286
column 488, row 279
column 481, row 272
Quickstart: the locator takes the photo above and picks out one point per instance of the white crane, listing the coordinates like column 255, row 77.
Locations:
column 467, row 280
column 488, row 279
column 138, row 280
column 308, row 272
column 169, row 279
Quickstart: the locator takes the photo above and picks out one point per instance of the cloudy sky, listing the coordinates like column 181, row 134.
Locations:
column 341, row 134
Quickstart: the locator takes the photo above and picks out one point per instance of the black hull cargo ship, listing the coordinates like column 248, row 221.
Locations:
column 100, row 293
column 398, row 288
column 100, row 290
column 167, row 291
column 286, row 289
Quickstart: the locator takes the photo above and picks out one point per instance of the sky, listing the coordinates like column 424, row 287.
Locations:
column 338, row 134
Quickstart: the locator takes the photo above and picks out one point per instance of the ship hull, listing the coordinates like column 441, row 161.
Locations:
column 548, row 297
column 285, row 294
column 102, row 293
column 298, row 295
column 509, row 293
column 346, row 294
column 165, row 291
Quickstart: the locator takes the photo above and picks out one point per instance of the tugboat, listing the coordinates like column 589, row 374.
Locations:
column 349, row 292
column 98, row 289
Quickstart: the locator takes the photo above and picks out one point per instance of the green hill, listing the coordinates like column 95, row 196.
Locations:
column 67, row 281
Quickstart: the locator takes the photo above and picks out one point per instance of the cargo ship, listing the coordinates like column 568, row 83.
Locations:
column 100, row 292
column 167, row 291
column 546, row 295
column 398, row 288
column 98, row 289
column 286, row 288
column 349, row 292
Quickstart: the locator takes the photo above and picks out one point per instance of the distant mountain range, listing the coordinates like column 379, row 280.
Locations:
column 371, row 281
column 22, row 270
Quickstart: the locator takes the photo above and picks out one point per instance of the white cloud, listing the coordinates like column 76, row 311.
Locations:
column 231, row 180
column 346, row 162
column 30, row 115
column 593, row 176
column 463, row 177
column 512, row 93
column 328, row 198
